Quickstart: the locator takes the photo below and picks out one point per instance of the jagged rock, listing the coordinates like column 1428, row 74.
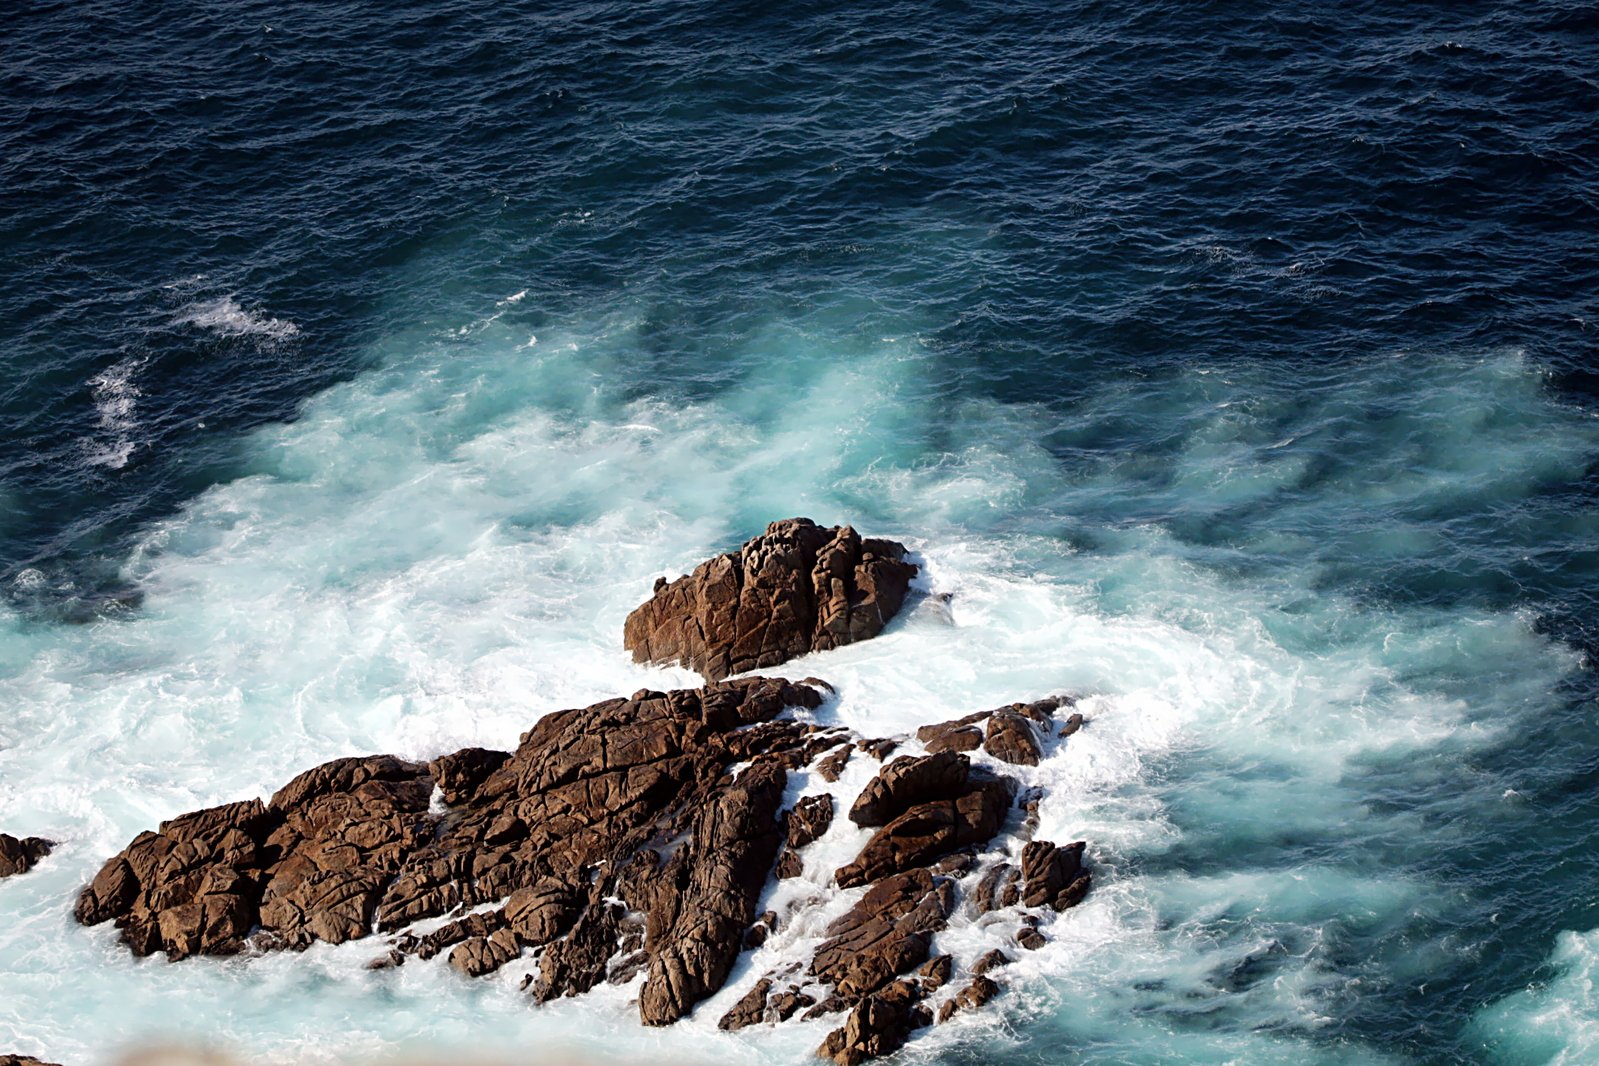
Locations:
column 884, row 935
column 748, row 1010
column 809, row 819
column 1031, row 938
column 992, row 960
column 974, row 995
column 928, row 830
column 23, row 1060
column 961, row 734
column 1074, row 722
column 542, row 911
column 1011, row 739
column 719, row 874
column 997, row 883
column 879, row 749
column 935, row 972
column 18, row 856
column 485, row 954
column 629, row 841
column 789, row 865
column 353, row 840
column 877, row 1026
column 796, row 588
column 1050, row 875
column 906, row 782
column 480, row 925
column 459, row 774
column 831, row 766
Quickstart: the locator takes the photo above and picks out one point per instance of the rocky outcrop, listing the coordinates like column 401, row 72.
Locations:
column 23, row 1060
column 796, row 588
column 925, row 831
column 633, row 842
column 353, row 844
column 1013, row 734
column 18, row 856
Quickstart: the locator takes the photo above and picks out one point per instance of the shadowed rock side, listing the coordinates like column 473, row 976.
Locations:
column 628, row 841
column 20, row 856
column 796, row 588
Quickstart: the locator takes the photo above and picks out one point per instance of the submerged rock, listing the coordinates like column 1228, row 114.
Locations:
column 795, row 589
column 18, row 856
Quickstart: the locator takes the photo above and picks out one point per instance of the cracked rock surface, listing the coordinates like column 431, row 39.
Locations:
column 795, row 589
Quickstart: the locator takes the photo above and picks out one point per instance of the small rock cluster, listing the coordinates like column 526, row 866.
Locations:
column 632, row 841
column 20, row 856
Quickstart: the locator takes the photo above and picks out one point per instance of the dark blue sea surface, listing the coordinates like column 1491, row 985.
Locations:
column 1247, row 352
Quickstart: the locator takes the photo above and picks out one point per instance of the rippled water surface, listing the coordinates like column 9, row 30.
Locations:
column 1234, row 367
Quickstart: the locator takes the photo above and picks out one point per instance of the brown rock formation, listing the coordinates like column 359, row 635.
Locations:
column 1012, row 734
column 796, row 588
column 353, row 842
column 18, row 856
column 971, row 814
column 627, row 841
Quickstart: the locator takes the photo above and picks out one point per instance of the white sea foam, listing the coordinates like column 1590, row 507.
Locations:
column 1553, row 1022
column 441, row 550
column 116, row 398
column 225, row 316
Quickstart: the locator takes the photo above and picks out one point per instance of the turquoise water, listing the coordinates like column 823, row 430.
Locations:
column 1244, row 389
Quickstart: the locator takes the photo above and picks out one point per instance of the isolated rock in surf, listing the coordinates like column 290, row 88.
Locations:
column 18, row 856
column 796, row 588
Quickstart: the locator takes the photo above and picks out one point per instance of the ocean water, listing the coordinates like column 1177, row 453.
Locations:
column 1232, row 368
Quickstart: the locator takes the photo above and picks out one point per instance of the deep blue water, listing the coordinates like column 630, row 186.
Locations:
column 1275, row 328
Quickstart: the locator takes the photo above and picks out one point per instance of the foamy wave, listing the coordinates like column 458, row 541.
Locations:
column 226, row 317
column 116, row 401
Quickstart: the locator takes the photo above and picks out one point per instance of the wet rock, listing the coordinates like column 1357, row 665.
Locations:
column 831, row 766
column 884, row 935
column 18, row 856
column 789, row 865
column 1031, row 939
column 809, row 819
column 719, row 874
column 879, row 749
column 479, row 926
column 542, row 911
column 935, row 972
column 906, row 782
column 992, row 960
column 1011, row 739
column 481, row 955
column 749, row 1009
column 974, row 995
column 1050, row 875
column 878, row 1026
column 1074, row 722
column 928, row 830
column 795, row 589
column 353, row 840
column 960, row 734
column 628, row 841
column 996, row 885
